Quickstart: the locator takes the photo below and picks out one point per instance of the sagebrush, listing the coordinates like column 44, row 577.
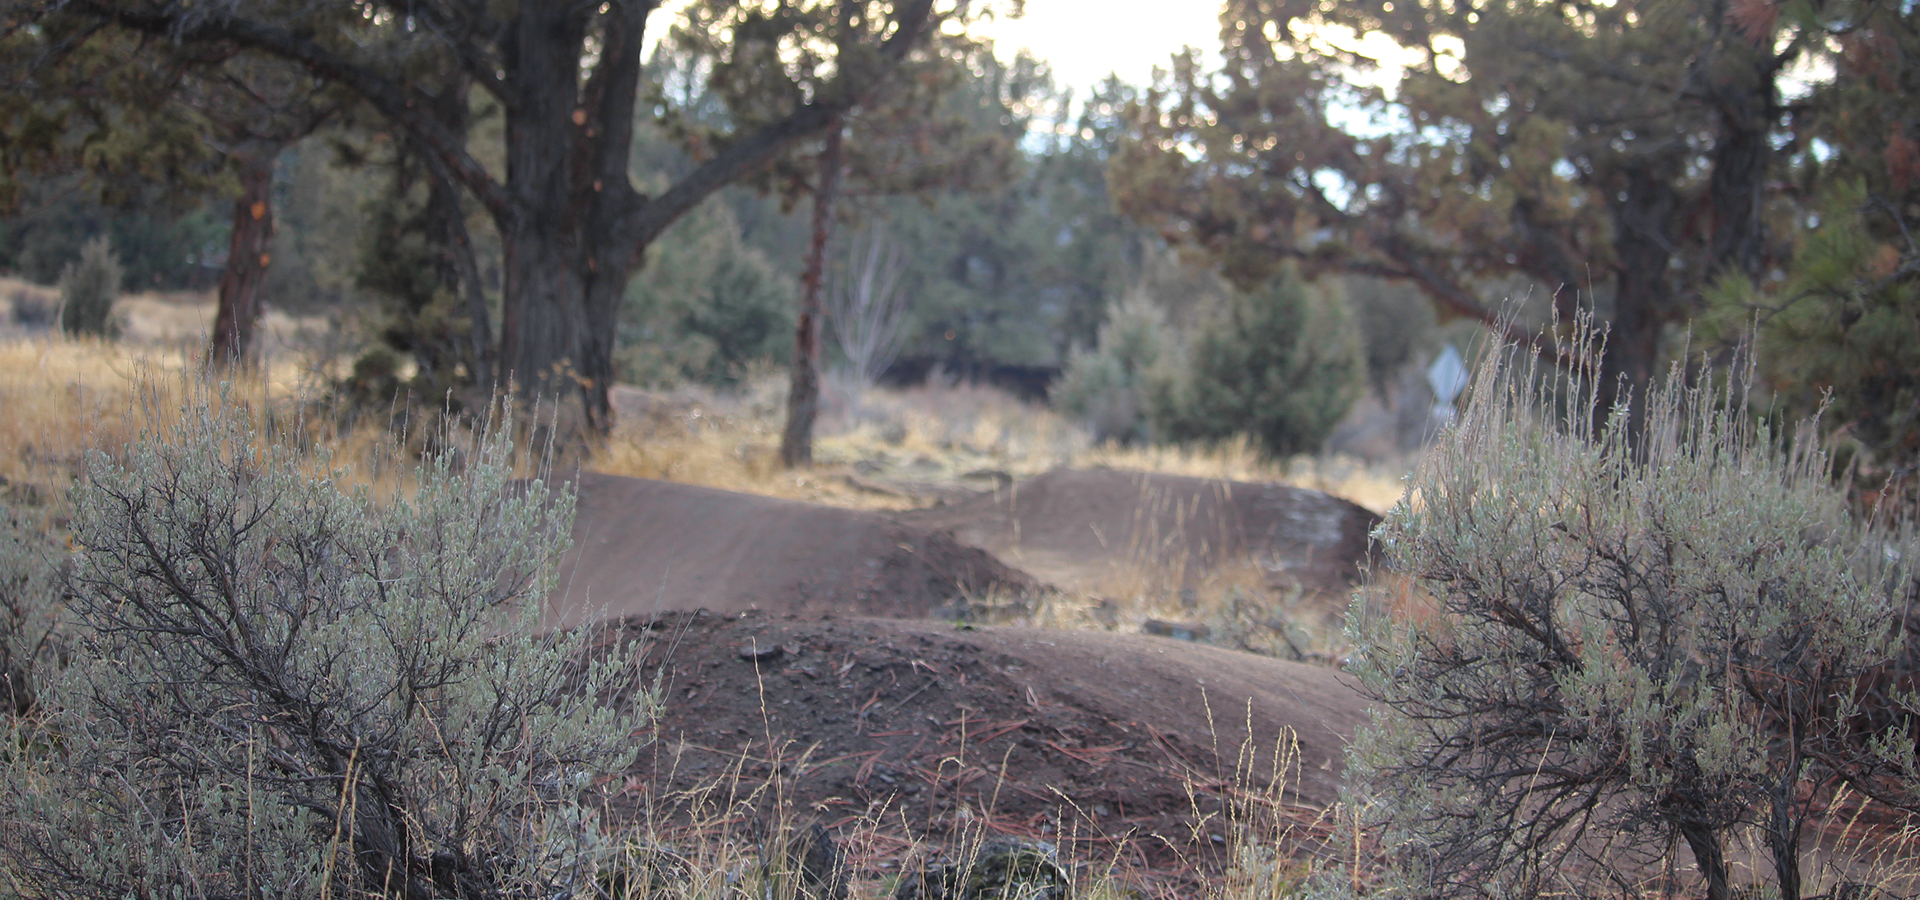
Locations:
column 1635, row 642
column 88, row 287
column 284, row 688
column 29, row 594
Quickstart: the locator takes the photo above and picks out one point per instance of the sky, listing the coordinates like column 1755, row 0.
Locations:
column 1084, row 40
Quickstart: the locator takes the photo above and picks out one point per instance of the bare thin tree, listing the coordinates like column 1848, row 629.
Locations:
column 867, row 310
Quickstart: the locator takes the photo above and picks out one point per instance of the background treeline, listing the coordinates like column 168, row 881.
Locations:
column 1252, row 244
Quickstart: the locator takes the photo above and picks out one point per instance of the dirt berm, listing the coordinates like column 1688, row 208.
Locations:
column 642, row 547
column 1077, row 529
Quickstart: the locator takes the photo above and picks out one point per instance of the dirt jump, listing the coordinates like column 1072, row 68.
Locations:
column 805, row 663
column 1079, row 529
column 642, row 547
column 1146, row 750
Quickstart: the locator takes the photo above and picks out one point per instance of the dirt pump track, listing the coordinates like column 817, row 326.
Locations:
column 805, row 664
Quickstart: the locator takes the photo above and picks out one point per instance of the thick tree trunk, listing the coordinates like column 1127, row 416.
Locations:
column 559, row 327
column 803, row 396
column 1641, row 293
column 1743, row 157
column 245, row 274
column 570, row 245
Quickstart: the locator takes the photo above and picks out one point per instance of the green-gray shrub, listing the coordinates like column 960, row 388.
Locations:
column 1108, row 386
column 29, row 592
column 283, row 688
column 1281, row 364
column 1619, row 644
column 88, row 287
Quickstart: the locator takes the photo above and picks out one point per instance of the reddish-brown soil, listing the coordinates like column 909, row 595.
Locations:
column 853, row 703
column 1106, row 744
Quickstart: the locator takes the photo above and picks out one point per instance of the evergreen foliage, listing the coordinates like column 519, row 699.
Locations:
column 284, row 688
column 1839, row 325
column 705, row 308
column 416, row 313
column 1110, row 386
column 1280, row 364
column 1842, row 332
column 160, row 247
column 1622, row 644
column 88, row 287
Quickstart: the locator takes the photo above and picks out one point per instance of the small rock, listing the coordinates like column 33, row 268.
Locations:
column 754, row 651
column 998, row 869
column 1180, row 631
column 811, row 854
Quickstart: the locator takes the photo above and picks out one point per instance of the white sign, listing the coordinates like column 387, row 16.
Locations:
column 1448, row 377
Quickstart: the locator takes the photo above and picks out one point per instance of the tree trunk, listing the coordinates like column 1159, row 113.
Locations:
column 569, row 240
column 1742, row 159
column 1709, row 859
column 1641, row 288
column 247, row 258
column 803, row 397
column 557, row 330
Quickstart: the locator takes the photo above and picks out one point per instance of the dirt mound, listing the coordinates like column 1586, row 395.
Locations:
column 1096, row 741
column 641, row 547
column 1076, row 529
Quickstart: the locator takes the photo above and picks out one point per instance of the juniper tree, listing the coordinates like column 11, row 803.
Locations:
column 1281, row 364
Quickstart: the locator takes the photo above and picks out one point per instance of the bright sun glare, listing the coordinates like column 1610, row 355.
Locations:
column 1084, row 41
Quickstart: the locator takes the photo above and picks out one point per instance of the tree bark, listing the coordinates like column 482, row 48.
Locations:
column 568, row 251
column 1743, row 157
column 1641, row 286
column 247, row 259
column 1709, row 859
column 803, row 396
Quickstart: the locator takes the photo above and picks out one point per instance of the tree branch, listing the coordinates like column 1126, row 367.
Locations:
column 390, row 98
column 458, row 32
column 763, row 145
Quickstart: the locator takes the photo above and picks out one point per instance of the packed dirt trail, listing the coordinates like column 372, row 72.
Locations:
column 1080, row 529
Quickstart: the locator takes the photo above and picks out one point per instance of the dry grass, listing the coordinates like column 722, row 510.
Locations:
column 63, row 396
column 871, row 451
column 920, row 437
